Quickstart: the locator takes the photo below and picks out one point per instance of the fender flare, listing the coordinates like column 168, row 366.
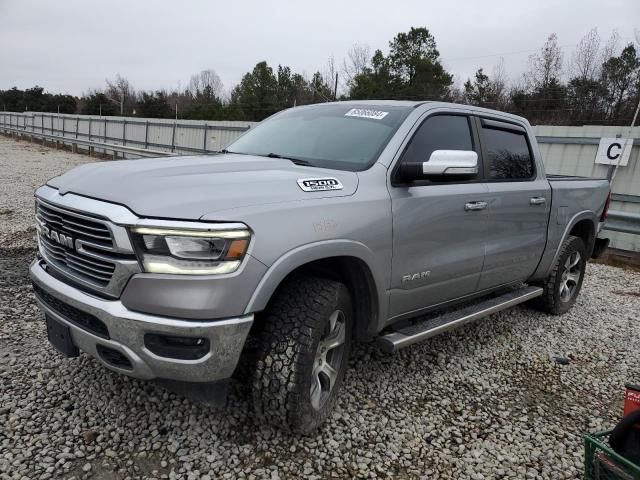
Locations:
column 544, row 270
column 310, row 252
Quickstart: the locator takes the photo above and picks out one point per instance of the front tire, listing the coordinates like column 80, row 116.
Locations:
column 303, row 352
column 562, row 286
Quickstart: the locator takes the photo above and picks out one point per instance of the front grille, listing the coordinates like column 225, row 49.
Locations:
column 90, row 269
column 75, row 225
column 82, row 319
column 89, row 263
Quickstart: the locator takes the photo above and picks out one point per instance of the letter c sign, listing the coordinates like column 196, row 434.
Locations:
column 611, row 155
column 612, row 151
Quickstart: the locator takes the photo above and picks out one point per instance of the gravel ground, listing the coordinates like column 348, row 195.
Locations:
column 25, row 166
column 489, row 400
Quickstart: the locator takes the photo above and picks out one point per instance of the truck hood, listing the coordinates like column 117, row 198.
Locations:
column 191, row 187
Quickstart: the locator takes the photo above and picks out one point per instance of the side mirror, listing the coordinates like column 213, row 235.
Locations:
column 442, row 164
column 451, row 162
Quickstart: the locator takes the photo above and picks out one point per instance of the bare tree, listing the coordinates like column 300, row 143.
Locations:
column 121, row 92
column 610, row 49
column 545, row 67
column 206, row 80
column 585, row 63
column 358, row 59
column 330, row 72
column 500, row 79
column 456, row 92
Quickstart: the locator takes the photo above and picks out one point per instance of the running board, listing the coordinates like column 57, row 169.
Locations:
column 403, row 337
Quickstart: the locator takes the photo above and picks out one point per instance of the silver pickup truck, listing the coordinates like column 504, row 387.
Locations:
column 353, row 221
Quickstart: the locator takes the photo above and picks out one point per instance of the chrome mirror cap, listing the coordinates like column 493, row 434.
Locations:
column 451, row 162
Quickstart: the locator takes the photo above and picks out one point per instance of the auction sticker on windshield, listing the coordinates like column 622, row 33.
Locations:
column 366, row 113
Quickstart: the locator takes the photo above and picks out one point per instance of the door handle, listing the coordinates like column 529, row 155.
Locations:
column 537, row 201
column 471, row 206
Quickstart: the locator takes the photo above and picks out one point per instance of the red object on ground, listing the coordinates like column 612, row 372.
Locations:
column 631, row 399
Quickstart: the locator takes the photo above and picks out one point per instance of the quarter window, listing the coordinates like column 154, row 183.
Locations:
column 508, row 154
column 439, row 132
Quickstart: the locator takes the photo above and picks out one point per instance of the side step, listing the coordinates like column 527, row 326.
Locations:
column 394, row 341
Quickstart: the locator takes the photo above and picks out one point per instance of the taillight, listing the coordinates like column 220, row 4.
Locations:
column 603, row 217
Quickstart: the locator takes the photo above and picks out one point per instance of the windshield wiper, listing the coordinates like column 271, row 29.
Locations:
column 297, row 161
column 224, row 150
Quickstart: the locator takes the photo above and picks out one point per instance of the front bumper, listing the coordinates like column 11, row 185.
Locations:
column 127, row 329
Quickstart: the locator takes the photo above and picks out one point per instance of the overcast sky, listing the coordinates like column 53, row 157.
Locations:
column 71, row 46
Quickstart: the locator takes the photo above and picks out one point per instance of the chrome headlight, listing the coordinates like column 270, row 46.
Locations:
column 190, row 252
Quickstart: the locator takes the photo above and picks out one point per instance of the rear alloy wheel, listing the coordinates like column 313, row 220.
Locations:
column 571, row 276
column 562, row 286
column 302, row 356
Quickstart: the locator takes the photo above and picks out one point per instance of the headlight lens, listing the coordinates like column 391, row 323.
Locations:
column 190, row 252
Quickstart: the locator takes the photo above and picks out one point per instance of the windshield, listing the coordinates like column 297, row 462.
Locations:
column 344, row 137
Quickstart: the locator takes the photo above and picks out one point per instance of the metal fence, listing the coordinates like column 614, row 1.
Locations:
column 623, row 222
column 572, row 151
column 104, row 134
column 565, row 150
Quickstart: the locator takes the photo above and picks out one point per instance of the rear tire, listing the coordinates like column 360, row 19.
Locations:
column 302, row 355
column 562, row 286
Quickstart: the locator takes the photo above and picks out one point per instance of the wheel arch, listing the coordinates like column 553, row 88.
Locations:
column 349, row 262
column 582, row 223
column 585, row 229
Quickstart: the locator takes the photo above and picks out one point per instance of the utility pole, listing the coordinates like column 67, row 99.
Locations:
column 176, row 110
column 335, row 89
column 100, row 109
column 58, row 109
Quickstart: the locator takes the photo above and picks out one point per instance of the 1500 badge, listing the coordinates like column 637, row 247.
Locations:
column 319, row 184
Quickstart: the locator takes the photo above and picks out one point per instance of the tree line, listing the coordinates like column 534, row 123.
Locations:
column 599, row 83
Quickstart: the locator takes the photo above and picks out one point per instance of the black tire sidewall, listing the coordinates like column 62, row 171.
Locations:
column 292, row 327
column 623, row 438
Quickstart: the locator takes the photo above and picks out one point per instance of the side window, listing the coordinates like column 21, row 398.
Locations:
column 440, row 132
column 508, row 154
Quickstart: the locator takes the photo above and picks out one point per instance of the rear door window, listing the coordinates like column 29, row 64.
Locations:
column 508, row 154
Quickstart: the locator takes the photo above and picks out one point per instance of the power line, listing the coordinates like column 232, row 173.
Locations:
column 518, row 52
column 503, row 54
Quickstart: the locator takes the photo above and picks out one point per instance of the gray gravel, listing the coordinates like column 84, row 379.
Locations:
column 25, row 166
column 509, row 397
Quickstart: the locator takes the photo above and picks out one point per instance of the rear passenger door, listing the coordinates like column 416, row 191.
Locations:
column 519, row 203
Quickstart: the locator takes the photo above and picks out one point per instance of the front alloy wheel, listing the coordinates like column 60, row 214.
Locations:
column 328, row 361
column 303, row 353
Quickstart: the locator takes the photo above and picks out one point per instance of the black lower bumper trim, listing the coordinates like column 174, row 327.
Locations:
column 114, row 357
column 79, row 318
column 180, row 348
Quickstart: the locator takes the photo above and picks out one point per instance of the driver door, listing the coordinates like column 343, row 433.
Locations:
column 438, row 241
